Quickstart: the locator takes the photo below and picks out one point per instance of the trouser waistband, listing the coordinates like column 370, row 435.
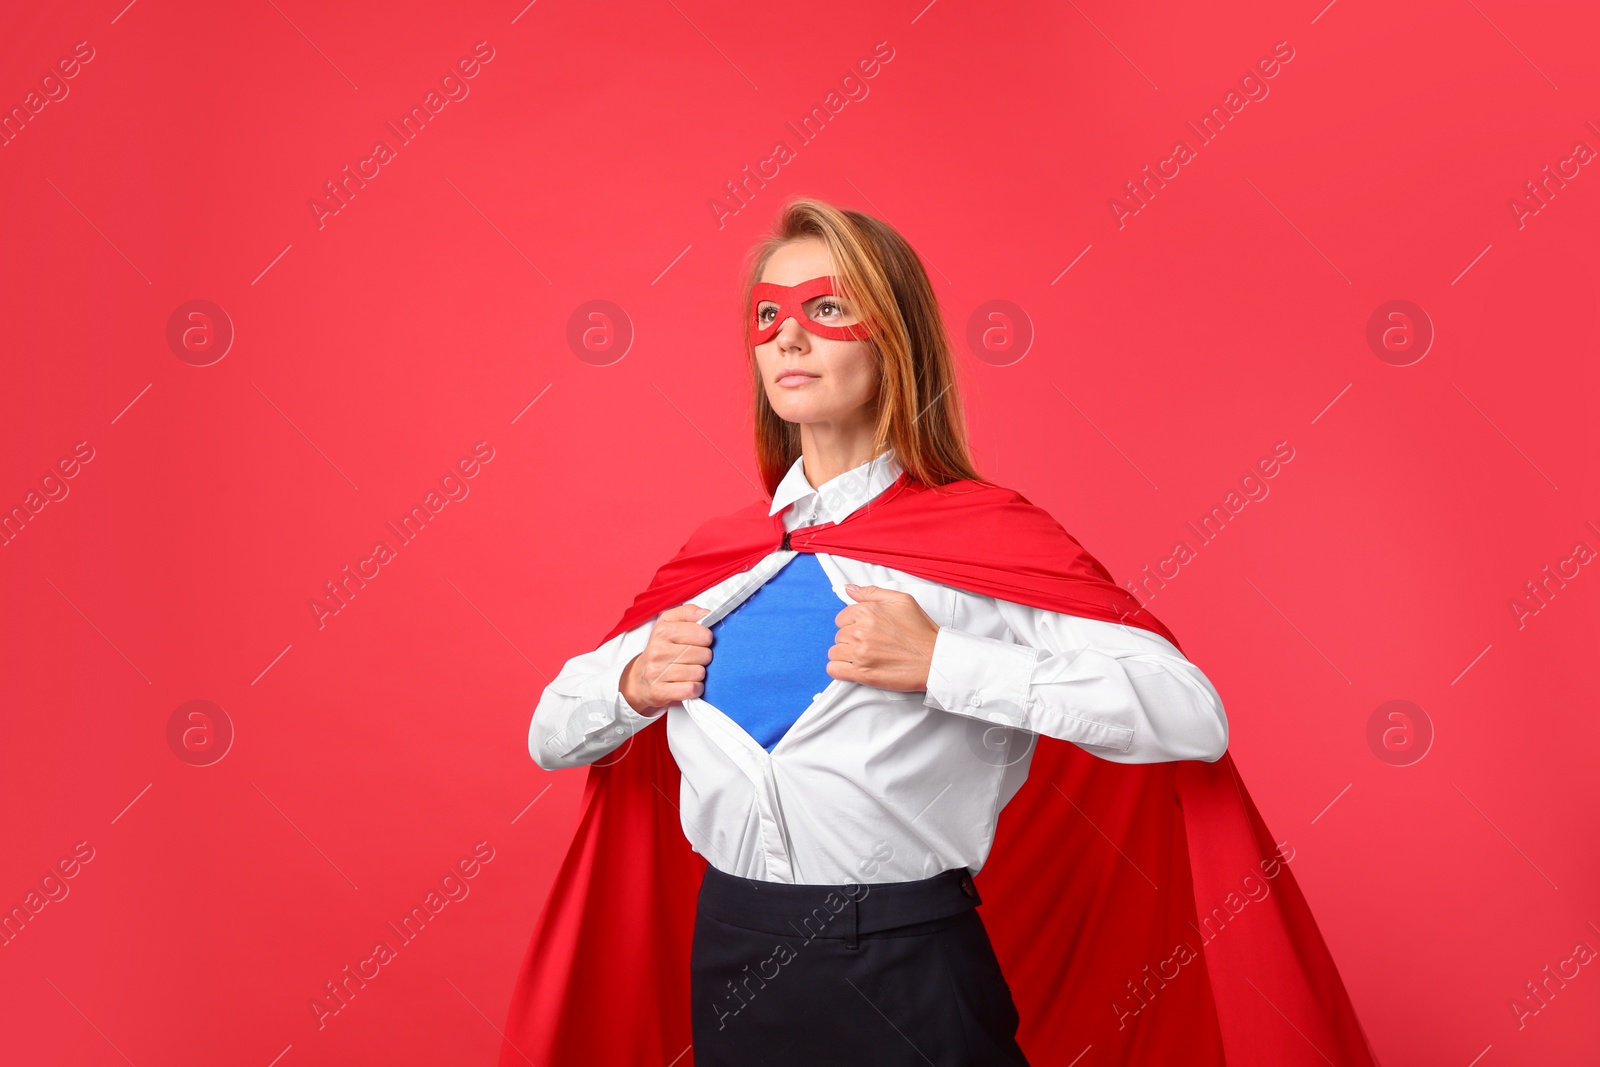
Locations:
column 846, row 911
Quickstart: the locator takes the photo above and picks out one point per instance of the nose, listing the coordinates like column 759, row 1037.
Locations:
column 790, row 330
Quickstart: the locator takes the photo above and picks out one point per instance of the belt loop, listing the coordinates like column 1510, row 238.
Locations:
column 855, row 924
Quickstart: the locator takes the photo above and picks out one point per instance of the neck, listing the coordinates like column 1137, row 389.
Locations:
column 830, row 449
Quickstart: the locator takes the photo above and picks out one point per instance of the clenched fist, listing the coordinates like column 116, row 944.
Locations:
column 885, row 640
column 672, row 667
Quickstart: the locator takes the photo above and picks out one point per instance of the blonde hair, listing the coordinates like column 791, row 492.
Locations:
column 919, row 402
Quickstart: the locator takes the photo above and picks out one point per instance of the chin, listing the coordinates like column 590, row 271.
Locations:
column 794, row 409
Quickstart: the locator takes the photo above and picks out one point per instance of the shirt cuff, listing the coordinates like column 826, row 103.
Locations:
column 603, row 712
column 982, row 677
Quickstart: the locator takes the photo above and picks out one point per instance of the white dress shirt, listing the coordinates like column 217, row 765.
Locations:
column 870, row 785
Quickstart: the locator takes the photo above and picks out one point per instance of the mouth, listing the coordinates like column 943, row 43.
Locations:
column 795, row 377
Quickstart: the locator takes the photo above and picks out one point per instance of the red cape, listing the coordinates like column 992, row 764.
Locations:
column 1142, row 911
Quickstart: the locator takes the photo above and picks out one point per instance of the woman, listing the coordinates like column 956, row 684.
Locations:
column 848, row 709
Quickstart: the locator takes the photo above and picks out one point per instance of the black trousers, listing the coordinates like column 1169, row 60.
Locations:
column 879, row 974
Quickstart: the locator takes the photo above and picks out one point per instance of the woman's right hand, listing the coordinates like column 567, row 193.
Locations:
column 672, row 667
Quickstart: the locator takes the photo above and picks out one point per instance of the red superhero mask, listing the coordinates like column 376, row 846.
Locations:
column 802, row 302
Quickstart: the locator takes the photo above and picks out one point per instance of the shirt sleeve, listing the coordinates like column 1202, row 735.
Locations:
column 582, row 714
column 1119, row 692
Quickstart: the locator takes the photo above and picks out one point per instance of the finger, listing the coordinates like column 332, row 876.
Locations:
column 671, row 677
column 859, row 614
column 682, row 672
column 886, row 624
column 875, row 593
column 677, row 692
column 698, row 654
column 683, row 632
column 661, row 660
column 691, row 612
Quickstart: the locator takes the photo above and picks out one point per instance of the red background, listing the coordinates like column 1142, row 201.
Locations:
column 1230, row 313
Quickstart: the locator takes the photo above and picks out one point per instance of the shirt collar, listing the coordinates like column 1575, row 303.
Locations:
column 838, row 497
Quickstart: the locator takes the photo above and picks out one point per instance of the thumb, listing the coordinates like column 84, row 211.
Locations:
column 869, row 592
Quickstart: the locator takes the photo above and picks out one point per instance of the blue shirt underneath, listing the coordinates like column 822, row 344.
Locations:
column 769, row 656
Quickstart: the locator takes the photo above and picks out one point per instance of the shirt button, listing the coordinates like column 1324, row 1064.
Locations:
column 975, row 700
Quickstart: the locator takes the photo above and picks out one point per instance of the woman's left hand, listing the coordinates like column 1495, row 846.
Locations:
column 885, row 640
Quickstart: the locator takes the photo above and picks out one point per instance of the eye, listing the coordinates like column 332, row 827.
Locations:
column 765, row 313
column 829, row 308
